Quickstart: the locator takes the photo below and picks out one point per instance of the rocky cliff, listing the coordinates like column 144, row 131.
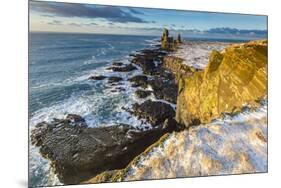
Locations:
column 237, row 143
column 177, row 67
column 233, row 79
column 232, row 145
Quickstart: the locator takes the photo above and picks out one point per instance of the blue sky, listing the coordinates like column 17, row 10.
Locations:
column 85, row 18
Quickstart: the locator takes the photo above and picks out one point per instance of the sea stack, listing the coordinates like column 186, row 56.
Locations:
column 168, row 43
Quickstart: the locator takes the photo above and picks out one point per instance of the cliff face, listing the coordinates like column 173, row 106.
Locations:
column 234, row 78
column 179, row 69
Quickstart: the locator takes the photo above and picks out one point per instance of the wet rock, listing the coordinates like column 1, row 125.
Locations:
column 148, row 60
column 126, row 68
column 142, row 93
column 117, row 63
column 114, row 79
column 75, row 118
column 78, row 153
column 120, row 89
column 153, row 53
column 97, row 77
column 154, row 112
column 164, row 89
column 147, row 64
column 139, row 80
column 170, row 124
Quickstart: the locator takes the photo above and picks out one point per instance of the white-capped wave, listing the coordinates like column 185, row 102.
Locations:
column 153, row 42
column 41, row 170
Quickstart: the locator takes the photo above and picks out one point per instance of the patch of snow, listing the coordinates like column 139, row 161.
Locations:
column 232, row 145
column 196, row 53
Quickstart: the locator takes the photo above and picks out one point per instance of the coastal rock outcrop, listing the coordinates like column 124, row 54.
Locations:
column 139, row 81
column 177, row 67
column 233, row 146
column 154, row 112
column 116, row 63
column 99, row 77
column 164, row 88
column 125, row 68
column 233, row 79
column 114, row 79
column 78, row 152
column 168, row 43
column 142, row 93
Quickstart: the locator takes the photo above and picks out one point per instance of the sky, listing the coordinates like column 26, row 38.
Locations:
column 88, row 18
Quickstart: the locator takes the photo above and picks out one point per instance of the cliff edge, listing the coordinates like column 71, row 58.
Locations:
column 233, row 79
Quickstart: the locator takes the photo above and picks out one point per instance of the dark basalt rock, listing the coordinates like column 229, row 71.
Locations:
column 117, row 63
column 156, row 53
column 147, row 64
column 97, row 77
column 142, row 93
column 139, row 80
column 164, row 89
column 170, row 124
column 163, row 82
column 75, row 118
column 126, row 68
column 78, row 153
column 114, row 79
column 154, row 112
column 147, row 59
column 121, row 89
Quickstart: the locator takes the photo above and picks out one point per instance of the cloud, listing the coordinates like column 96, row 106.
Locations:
column 234, row 31
column 46, row 15
column 134, row 11
column 75, row 24
column 110, row 13
column 92, row 23
column 55, row 22
column 210, row 33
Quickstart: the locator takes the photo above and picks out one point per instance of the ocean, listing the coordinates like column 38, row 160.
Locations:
column 59, row 67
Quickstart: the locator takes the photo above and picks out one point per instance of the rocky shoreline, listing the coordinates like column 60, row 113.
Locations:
column 79, row 153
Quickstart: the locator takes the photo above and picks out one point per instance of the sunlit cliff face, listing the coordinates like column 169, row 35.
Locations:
column 233, row 79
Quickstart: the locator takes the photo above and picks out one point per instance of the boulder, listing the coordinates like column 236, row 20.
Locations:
column 232, row 79
column 125, row 68
column 117, row 63
column 146, row 63
column 164, row 89
column 142, row 93
column 154, row 112
column 114, row 79
column 148, row 60
column 75, row 118
column 97, row 77
column 139, row 80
